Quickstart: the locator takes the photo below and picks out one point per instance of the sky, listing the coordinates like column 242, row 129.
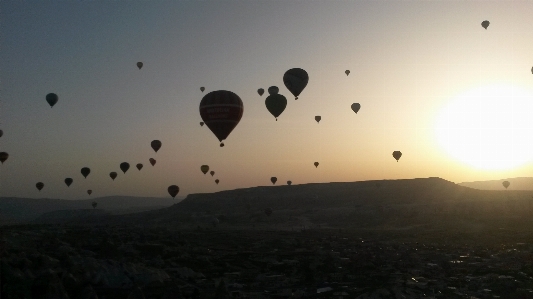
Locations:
column 452, row 96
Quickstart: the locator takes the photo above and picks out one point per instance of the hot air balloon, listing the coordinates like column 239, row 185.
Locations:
column 152, row 161
column 268, row 211
column 273, row 90
column 68, row 181
column 139, row 166
column 221, row 111
column 356, row 107
column 94, row 204
column 216, row 181
column 397, row 155
column 531, row 72
column 52, row 99
column 113, row 175
column 318, row 118
column 295, row 80
column 201, row 124
column 39, row 186
column 506, row 184
column 316, row 164
column 139, row 65
column 212, row 173
column 202, row 89
column 276, row 104
column 3, row 157
column 204, row 168
column 273, row 180
column 156, row 145
column 1, row 133
column 289, row 183
column 485, row 24
column 85, row 171
column 260, row 91
column 124, row 166
column 173, row 190
column 89, row 192
column 347, row 72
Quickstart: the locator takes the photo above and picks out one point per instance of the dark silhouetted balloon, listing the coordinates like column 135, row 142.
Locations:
column 531, row 72
column 356, row 107
column 113, row 175
column 202, row 89
column 316, row 164
column 273, row 90
column 39, row 186
column 295, row 80
column 139, row 166
column 94, row 204
column 268, row 211
column 52, row 98
column 289, row 183
column 276, row 104
column 506, row 184
column 139, row 65
column 3, row 157
column 204, row 168
column 221, row 111
column 156, row 145
column 260, row 91
column 173, row 190
column 124, row 166
column 212, row 173
column 85, row 171
column 68, row 181
column 347, row 72
column 201, row 124
column 89, row 192
column 397, row 155
column 1, row 133
column 216, row 181
column 318, row 118
column 273, row 180
column 152, row 161
column 485, row 24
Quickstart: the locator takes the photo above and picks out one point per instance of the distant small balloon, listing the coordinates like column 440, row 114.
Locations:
column 318, row 118
column 85, row 171
column 201, row 124
column 397, row 155
column 52, row 99
column 152, row 161
column 531, row 72
column 356, row 107
column 316, row 164
column 3, row 157
column 289, row 183
column 124, row 166
column 39, row 186
column 156, row 145
column 260, row 91
column 1, row 133
column 212, row 173
column 113, row 175
column 68, row 181
column 139, row 166
column 94, row 204
column 273, row 180
column 347, row 72
column 276, row 104
column 202, row 88
column 204, row 168
column 506, row 184
column 273, row 90
column 139, row 65
column 295, row 80
column 485, row 24
column 217, row 181
column 173, row 190
column 89, row 192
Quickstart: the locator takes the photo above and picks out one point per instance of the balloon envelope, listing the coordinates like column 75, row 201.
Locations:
column 52, row 99
column 94, row 204
column 139, row 65
column 202, row 89
column 318, row 118
column 204, row 168
column 3, row 157
column 156, row 145
column 273, row 90
column 289, row 183
column 39, row 186
column 506, row 184
column 276, row 104
column 397, row 155
column 221, row 111
column 316, row 164
column 139, row 166
column 152, row 161
column 68, row 181
column 201, row 124
column 173, row 190
column 260, row 91
column 212, row 173
column 1, row 133
column 347, row 72
column 124, row 166
column 216, row 181
column 273, row 180
column 295, row 80
column 89, row 192
column 356, row 107
column 113, row 175
column 85, row 171
column 485, row 24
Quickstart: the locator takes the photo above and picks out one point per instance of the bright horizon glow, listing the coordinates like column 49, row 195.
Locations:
column 488, row 127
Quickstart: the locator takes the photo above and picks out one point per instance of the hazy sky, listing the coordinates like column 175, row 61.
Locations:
column 453, row 97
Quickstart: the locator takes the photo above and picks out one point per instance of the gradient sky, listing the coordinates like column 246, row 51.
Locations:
column 409, row 60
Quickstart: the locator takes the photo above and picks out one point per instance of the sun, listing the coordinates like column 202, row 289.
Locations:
column 489, row 127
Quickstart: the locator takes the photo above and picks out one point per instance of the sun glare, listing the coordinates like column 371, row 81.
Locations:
column 489, row 127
